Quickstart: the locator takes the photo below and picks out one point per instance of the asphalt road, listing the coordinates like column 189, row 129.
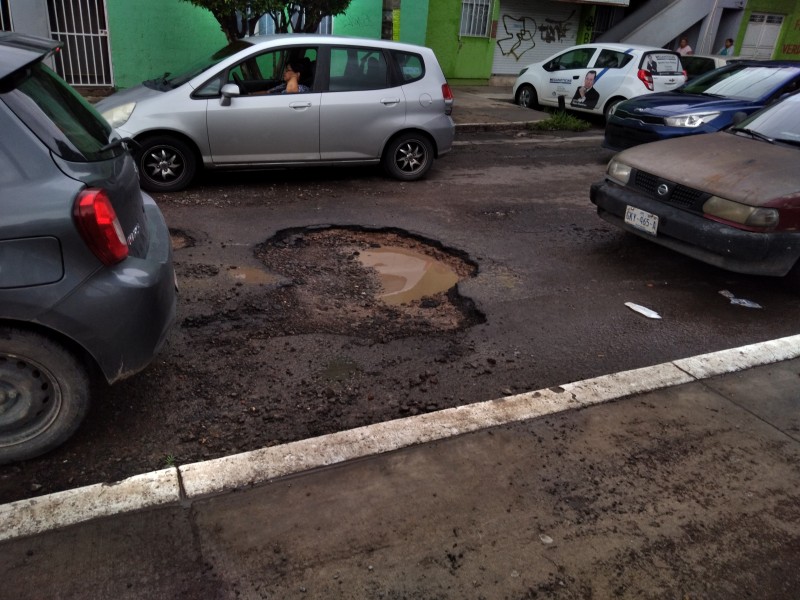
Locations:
column 551, row 284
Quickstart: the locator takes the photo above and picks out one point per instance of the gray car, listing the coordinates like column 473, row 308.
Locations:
column 87, row 287
column 360, row 101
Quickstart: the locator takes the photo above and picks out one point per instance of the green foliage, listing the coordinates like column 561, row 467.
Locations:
column 560, row 121
column 300, row 16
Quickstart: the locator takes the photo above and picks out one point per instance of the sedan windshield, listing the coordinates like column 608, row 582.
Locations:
column 169, row 81
column 779, row 122
column 741, row 82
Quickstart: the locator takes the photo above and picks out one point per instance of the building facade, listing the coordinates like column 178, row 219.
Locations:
column 119, row 43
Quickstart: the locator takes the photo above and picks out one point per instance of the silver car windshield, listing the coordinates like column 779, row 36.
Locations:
column 168, row 81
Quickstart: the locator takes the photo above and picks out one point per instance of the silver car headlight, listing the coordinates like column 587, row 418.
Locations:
column 752, row 216
column 618, row 171
column 522, row 72
column 693, row 120
column 119, row 114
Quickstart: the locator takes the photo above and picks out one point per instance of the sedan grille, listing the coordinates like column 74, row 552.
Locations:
column 670, row 192
column 626, row 114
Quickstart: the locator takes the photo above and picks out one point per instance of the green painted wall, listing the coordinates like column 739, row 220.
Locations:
column 362, row 19
column 151, row 37
column 788, row 45
column 414, row 21
column 464, row 60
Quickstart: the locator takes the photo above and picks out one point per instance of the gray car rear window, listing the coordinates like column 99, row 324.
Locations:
column 66, row 123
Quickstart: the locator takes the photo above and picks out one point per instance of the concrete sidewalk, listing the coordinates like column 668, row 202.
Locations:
column 481, row 108
column 686, row 486
column 679, row 480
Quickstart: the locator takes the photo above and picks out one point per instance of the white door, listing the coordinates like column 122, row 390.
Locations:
column 761, row 35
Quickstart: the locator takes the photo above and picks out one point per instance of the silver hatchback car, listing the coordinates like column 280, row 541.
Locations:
column 358, row 101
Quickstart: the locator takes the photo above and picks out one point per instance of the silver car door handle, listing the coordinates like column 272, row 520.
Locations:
column 300, row 105
column 390, row 101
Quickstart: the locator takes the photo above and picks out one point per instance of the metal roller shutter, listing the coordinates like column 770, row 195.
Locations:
column 529, row 32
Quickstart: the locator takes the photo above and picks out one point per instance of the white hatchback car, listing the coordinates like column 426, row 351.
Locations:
column 593, row 78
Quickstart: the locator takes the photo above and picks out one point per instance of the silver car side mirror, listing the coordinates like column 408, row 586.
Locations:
column 228, row 91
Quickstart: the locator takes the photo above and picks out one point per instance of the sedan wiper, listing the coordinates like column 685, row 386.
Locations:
column 121, row 142
column 754, row 134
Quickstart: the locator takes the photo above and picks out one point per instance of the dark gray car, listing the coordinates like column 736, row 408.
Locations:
column 87, row 285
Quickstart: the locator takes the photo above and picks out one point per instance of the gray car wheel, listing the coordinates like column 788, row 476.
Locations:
column 44, row 394
column 166, row 164
column 408, row 156
column 526, row 96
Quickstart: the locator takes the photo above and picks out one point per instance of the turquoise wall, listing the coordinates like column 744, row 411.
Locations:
column 788, row 45
column 152, row 37
column 362, row 19
column 414, row 21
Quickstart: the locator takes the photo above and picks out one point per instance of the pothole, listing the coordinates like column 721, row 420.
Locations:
column 379, row 284
column 252, row 275
column 407, row 275
column 180, row 239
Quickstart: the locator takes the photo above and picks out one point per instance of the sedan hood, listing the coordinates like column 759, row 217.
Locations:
column 735, row 167
column 667, row 104
column 136, row 93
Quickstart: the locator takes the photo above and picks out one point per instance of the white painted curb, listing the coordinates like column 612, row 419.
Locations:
column 160, row 488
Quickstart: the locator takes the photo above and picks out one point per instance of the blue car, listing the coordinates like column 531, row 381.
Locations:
column 705, row 104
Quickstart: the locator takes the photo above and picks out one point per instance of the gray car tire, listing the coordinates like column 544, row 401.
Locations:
column 166, row 164
column 44, row 394
column 527, row 97
column 408, row 156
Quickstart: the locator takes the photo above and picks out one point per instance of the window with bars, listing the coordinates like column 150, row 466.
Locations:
column 5, row 16
column 476, row 17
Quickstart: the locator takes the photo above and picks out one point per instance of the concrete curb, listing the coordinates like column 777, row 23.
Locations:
column 197, row 480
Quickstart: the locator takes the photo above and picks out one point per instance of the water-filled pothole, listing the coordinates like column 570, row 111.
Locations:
column 373, row 283
column 407, row 275
column 252, row 275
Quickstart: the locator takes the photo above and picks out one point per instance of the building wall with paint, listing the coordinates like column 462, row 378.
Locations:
column 152, row 37
column 464, row 59
column 785, row 42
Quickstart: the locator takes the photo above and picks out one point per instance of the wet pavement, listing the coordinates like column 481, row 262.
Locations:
column 675, row 481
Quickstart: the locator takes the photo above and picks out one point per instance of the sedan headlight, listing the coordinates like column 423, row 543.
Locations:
column 522, row 72
column 119, row 115
column 618, row 171
column 765, row 218
column 694, row 120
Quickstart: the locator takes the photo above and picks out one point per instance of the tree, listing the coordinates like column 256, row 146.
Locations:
column 238, row 18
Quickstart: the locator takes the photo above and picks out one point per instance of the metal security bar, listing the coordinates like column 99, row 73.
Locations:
column 475, row 17
column 5, row 16
column 81, row 26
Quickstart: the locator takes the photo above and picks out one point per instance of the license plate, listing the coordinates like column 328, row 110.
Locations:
column 641, row 220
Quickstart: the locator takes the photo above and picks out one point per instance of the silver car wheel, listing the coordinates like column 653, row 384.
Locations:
column 408, row 157
column 166, row 164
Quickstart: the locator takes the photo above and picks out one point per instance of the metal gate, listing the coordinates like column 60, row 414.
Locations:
column 82, row 28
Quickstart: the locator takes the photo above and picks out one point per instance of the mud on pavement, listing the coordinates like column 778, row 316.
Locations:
column 280, row 349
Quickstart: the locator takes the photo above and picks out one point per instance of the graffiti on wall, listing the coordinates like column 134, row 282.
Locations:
column 519, row 34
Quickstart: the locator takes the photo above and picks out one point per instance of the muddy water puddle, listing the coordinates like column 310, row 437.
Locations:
column 252, row 275
column 407, row 275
